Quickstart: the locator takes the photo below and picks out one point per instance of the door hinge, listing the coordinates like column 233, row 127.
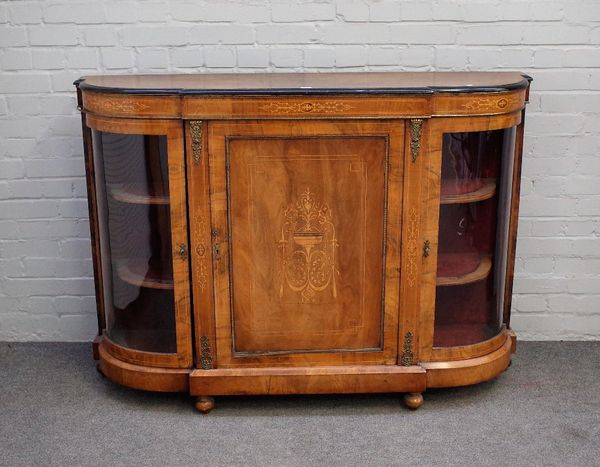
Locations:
column 416, row 125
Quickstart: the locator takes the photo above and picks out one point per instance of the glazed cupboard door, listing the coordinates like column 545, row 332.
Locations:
column 304, row 241
column 139, row 176
column 474, row 158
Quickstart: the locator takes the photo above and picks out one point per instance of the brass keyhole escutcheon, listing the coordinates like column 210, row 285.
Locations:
column 182, row 251
column 426, row 248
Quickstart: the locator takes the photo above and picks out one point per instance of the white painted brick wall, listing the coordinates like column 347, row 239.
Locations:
column 46, row 288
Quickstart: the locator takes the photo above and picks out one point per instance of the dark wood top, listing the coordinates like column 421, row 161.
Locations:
column 307, row 83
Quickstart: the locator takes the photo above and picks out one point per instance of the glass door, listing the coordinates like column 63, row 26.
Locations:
column 476, row 177
column 140, row 194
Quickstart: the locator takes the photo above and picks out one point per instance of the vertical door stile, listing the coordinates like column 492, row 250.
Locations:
column 413, row 230
column 179, row 243
column 200, row 242
column 430, row 194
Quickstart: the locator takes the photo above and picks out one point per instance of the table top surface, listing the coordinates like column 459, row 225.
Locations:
column 307, row 83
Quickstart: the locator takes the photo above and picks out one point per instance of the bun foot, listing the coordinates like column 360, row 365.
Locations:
column 413, row 400
column 204, row 404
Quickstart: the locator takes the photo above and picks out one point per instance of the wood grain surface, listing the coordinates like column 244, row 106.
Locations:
column 309, row 83
column 299, row 213
column 308, row 198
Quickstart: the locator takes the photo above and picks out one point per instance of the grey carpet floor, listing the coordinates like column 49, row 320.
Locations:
column 55, row 409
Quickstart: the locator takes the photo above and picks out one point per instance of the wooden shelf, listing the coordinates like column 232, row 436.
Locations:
column 145, row 340
column 459, row 334
column 135, row 195
column 137, row 272
column 477, row 268
column 485, row 190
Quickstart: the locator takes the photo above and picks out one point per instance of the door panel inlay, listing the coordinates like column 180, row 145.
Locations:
column 306, row 222
column 307, row 248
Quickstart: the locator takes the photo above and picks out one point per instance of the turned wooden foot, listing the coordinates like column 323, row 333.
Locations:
column 413, row 400
column 204, row 404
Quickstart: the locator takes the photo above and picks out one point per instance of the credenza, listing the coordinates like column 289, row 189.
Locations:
column 303, row 233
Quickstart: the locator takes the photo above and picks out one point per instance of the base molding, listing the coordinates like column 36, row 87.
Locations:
column 142, row 377
column 311, row 379
column 471, row 371
column 96, row 347
column 308, row 380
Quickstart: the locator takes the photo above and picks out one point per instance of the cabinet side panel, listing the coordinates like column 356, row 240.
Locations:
column 93, row 219
column 514, row 220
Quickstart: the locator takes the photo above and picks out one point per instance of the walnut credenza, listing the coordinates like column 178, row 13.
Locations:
column 303, row 233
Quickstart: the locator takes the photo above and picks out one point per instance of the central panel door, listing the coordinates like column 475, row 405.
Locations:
column 306, row 234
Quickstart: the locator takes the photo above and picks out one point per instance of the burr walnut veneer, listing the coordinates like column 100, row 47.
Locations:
column 303, row 233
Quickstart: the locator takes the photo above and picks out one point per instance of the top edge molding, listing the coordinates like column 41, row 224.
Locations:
column 303, row 84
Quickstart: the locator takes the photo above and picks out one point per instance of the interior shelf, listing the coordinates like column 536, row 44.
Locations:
column 462, row 268
column 148, row 340
column 137, row 272
column 136, row 195
column 471, row 192
column 458, row 334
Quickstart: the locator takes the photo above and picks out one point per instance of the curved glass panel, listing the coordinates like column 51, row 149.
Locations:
column 473, row 234
column 133, row 213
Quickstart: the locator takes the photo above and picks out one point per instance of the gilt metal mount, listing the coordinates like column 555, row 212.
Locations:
column 206, row 361
column 196, row 130
column 408, row 356
column 416, row 126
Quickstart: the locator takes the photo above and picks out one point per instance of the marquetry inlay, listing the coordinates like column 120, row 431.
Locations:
column 306, row 107
column 491, row 103
column 101, row 103
column 201, row 262
column 307, row 248
column 412, row 248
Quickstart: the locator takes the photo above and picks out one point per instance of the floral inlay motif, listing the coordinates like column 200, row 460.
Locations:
column 306, row 107
column 307, row 249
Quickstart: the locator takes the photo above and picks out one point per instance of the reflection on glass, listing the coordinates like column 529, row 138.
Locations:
column 473, row 231
column 133, row 210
